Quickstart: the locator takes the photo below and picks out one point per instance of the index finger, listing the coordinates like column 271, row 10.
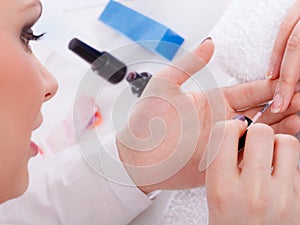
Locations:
column 248, row 95
column 189, row 64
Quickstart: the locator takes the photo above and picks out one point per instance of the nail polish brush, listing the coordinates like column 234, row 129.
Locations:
column 242, row 139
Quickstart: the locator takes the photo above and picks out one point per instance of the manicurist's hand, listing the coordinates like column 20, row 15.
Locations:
column 264, row 188
column 285, row 58
column 168, row 130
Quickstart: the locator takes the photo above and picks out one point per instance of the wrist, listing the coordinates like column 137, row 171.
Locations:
column 131, row 161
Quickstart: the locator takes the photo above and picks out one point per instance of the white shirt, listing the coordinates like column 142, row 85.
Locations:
column 65, row 190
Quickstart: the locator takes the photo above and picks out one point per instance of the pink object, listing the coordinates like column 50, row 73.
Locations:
column 256, row 117
column 84, row 115
column 259, row 114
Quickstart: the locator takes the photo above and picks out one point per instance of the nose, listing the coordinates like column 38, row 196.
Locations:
column 49, row 82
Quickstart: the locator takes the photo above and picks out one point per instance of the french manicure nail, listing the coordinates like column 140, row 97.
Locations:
column 273, row 67
column 270, row 72
column 277, row 105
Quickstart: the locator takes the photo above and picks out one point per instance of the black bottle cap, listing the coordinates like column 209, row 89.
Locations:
column 103, row 63
column 85, row 51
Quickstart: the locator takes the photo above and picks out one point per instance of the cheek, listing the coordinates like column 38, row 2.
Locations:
column 21, row 96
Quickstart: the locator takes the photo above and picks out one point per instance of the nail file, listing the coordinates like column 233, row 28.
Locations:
column 142, row 29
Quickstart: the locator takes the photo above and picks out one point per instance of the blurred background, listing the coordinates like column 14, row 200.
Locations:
column 64, row 20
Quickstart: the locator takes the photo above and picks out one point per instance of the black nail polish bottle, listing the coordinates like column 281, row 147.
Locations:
column 103, row 63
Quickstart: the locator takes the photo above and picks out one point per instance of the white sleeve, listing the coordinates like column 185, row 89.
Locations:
column 66, row 190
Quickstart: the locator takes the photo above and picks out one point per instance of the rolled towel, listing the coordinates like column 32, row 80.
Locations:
column 244, row 38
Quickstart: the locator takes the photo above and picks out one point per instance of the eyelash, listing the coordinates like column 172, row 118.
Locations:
column 27, row 35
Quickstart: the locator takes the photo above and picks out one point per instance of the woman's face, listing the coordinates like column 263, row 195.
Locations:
column 24, row 86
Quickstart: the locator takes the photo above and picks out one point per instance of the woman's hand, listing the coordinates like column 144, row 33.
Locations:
column 168, row 130
column 285, row 59
column 264, row 190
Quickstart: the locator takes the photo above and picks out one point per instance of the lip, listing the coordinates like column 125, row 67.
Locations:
column 35, row 149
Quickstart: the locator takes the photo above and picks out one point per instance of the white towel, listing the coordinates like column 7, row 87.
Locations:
column 244, row 37
column 187, row 207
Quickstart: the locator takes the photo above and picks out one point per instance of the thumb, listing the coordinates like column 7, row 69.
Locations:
column 191, row 63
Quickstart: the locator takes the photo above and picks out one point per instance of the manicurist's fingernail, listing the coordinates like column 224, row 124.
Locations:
column 247, row 121
column 240, row 117
column 278, row 102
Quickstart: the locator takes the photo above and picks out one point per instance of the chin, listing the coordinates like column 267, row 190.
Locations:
column 18, row 188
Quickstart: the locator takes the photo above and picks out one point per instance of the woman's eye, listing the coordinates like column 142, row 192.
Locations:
column 28, row 35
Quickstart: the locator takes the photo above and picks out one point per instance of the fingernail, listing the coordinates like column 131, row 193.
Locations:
column 273, row 67
column 270, row 73
column 208, row 38
column 278, row 102
column 244, row 119
column 240, row 117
